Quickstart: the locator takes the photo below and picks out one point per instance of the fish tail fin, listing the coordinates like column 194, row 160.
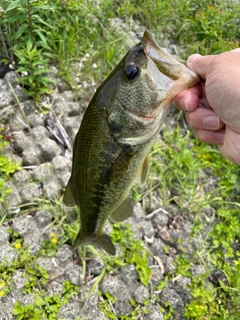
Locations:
column 102, row 240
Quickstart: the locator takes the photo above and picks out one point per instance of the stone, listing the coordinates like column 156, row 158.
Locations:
column 170, row 296
column 7, row 253
column 30, row 232
column 28, row 107
column 68, row 96
column 35, row 120
column 22, row 176
column 141, row 294
column 73, row 273
column 71, row 126
column 75, row 109
column 4, row 235
column 49, row 149
column 157, row 247
column 29, row 192
column 42, row 173
column 61, row 108
column 64, row 255
column 14, row 200
column 55, row 288
column 17, row 121
column 120, row 290
column 19, row 280
column 25, row 226
column 153, row 313
column 95, row 266
column 90, row 303
column 63, row 178
column 40, row 134
column 31, row 156
column 22, row 142
column 60, row 163
column 50, row 265
column 42, row 218
column 69, row 311
column 9, row 88
column 161, row 218
column 52, row 189
column 129, row 273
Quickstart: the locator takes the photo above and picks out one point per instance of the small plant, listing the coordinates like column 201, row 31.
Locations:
column 50, row 246
column 43, row 308
column 36, row 276
column 33, row 68
column 133, row 252
column 69, row 289
column 7, row 168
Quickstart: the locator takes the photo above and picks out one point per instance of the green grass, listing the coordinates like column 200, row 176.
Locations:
column 35, row 33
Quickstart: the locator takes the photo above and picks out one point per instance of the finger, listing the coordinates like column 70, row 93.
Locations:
column 230, row 148
column 203, row 103
column 188, row 100
column 200, row 64
column 204, row 119
column 236, row 50
column 208, row 136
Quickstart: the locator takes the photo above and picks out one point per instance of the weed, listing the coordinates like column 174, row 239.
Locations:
column 69, row 289
column 42, row 308
column 35, row 33
column 33, row 67
column 36, row 276
column 133, row 252
column 7, row 168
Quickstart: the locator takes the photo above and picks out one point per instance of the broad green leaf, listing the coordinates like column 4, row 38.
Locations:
column 20, row 31
column 13, row 5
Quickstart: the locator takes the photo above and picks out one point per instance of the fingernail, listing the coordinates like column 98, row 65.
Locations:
column 211, row 122
column 192, row 58
column 219, row 135
column 183, row 104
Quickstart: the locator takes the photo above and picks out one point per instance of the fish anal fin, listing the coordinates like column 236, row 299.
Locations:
column 68, row 199
column 144, row 170
column 123, row 212
column 100, row 240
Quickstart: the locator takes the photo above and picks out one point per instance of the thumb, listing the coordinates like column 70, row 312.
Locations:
column 200, row 64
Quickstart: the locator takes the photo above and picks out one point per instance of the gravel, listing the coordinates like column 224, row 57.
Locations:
column 46, row 170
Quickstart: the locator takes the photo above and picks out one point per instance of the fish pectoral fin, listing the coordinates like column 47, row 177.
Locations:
column 101, row 240
column 144, row 170
column 122, row 212
column 120, row 166
column 68, row 199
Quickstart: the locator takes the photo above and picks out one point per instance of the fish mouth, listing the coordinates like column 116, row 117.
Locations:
column 165, row 71
column 160, row 56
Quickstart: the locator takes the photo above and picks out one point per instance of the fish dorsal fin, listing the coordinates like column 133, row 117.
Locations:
column 144, row 170
column 68, row 199
column 120, row 166
column 122, row 212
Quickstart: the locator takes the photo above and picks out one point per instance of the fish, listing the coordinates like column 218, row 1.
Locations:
column 111, row 148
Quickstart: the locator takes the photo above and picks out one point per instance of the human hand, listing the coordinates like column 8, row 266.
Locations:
column 213, row 105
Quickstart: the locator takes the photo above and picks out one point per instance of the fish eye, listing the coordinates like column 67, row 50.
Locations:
column 132, row 71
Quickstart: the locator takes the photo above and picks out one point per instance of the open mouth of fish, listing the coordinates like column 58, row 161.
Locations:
column 166, row 71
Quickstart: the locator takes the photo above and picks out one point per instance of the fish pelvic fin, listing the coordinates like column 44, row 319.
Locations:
column 101, row 240
column 68, row 199
column 144, row 170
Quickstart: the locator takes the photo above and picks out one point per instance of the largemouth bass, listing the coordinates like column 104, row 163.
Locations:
column 116, row 134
